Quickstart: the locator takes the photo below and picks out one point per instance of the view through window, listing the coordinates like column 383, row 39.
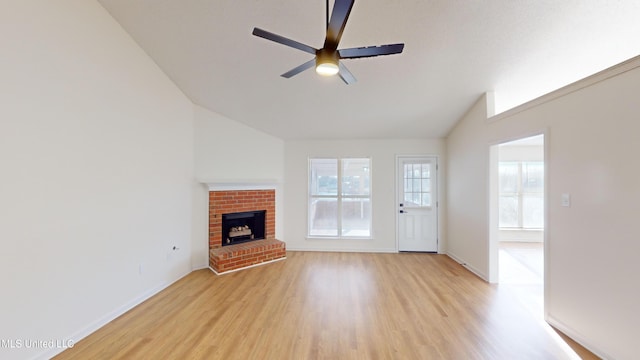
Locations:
column 521, row 194
column 340, row 197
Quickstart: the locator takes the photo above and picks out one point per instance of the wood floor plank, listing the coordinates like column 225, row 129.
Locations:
column 317, row 305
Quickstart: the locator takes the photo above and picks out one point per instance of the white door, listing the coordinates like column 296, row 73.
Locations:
column 417, row 207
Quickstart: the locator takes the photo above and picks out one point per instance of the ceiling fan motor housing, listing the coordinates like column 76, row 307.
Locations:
column 327, row 61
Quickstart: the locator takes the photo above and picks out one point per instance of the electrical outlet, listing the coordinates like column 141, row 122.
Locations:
column 140, row 269
column 566, row 200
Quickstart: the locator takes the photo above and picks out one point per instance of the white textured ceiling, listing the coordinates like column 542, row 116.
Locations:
column 454, row 51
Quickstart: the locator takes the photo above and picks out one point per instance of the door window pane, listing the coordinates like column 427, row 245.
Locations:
column 426, row 171
column 417, row 185
column 426, row 198
column 408, row 199
column 426, row 185
column 417, row 170
column 408, row 185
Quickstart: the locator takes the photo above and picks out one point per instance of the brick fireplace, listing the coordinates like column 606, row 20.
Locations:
column 234, row 257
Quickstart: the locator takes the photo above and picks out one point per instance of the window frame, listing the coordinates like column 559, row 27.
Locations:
column 339, row 196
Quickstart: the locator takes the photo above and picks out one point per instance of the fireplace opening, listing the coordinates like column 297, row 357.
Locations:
column 242, row 227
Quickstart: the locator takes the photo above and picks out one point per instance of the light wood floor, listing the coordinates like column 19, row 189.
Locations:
column 330, row 306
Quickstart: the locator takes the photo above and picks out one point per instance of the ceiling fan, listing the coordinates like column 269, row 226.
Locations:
column 327, row 60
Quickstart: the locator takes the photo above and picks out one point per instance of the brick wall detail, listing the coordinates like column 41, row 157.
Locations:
column 225, row 202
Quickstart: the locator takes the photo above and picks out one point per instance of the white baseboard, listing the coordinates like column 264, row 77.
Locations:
column 462, row 262
column 344, row 250
column 576, row 336
column 104, row 320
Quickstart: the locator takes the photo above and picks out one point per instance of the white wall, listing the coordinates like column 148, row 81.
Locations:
column 467, row 190
column 228, row 152
column 383, row 156
column 96, row 174
column 592, row 246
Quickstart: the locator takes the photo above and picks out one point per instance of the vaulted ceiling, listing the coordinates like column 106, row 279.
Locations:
column 454, row 51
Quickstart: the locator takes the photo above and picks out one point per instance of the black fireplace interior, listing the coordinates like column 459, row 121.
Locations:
column 243, row 227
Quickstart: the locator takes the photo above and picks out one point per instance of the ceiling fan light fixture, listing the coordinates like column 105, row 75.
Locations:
column 327, row 63
column 327, row 69
column 327, row 59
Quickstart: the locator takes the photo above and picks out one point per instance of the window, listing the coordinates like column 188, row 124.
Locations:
column 417, row 185
column 521, row 195
column 340, row 197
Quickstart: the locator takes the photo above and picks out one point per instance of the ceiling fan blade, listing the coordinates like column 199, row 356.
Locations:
column 283, row 40
column 369, row 51
column 297, row 70
column 339, row 16
column 346, row 75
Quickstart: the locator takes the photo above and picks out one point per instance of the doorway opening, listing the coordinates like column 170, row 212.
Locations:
column 521, row 211
column 517, row 216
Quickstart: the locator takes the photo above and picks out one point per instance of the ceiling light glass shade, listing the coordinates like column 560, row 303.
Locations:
column 327, row 69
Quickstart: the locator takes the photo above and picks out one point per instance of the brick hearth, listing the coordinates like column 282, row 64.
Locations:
column 233, row 257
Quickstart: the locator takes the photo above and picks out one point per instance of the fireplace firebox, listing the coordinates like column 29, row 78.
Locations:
column 242, row 227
